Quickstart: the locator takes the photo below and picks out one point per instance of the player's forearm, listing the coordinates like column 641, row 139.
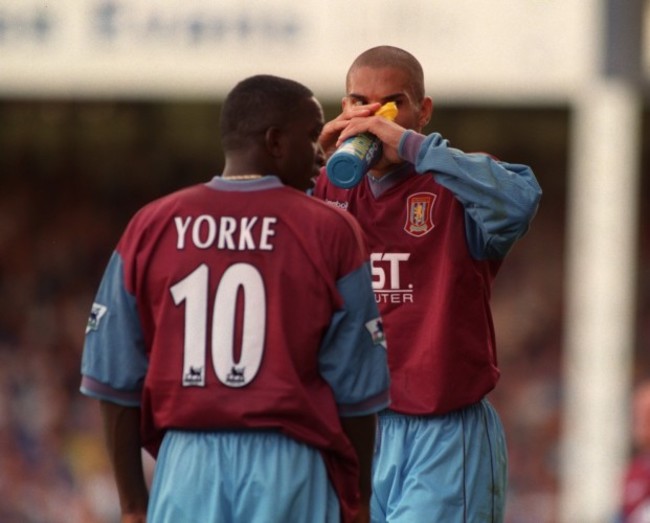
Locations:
column 122, row 434
column 476, row 179
column 361, row 433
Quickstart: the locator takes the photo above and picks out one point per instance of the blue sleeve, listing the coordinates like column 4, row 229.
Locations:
column 353, row 354
column 500, row 199
column 114, row 360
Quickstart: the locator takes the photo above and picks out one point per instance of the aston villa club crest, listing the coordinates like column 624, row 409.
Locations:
column 419, row 212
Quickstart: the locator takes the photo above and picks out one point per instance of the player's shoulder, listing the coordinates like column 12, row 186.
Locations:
column 329, row 212
column 155, row 213
column 324, row 219
column 335, row 224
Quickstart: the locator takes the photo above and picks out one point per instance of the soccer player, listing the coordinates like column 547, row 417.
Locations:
column 439, row 223
column 235, row 325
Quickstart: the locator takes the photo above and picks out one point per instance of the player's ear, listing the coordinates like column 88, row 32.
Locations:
column 426, row 109
column 274, row 140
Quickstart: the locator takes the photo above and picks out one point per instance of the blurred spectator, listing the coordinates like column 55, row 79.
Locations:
column 636, row 483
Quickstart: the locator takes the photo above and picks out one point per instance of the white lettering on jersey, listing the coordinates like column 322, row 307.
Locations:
column 246, row 241
column 267, row 233
column 340, row 205
column 181, row 229
column 386, row 277
column 225, row 232
column 203, row 235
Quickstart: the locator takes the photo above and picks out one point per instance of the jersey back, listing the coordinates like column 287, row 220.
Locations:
column 234, row 296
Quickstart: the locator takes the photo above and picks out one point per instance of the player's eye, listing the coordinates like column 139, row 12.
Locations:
column 357, row 101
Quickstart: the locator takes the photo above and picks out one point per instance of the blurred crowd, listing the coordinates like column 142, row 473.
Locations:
column 58, row 227
column 52, row 465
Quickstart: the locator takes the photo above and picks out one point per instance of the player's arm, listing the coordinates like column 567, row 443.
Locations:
column 500, row 199
column 360, row 430
column 353, row 362
column 122, row 433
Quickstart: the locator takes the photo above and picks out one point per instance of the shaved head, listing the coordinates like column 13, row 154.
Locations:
column 386, row 56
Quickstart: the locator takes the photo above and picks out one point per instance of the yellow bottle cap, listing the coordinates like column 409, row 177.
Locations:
column 388, row 111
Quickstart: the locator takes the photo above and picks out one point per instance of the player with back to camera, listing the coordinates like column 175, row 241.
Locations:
column 439, row 223
column 236, row 324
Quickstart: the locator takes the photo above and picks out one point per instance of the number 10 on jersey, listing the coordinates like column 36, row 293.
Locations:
column 194, row 291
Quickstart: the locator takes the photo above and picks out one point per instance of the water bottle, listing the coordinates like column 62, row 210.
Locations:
column 356, row 155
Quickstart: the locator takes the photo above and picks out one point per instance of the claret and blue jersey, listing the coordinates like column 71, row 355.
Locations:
column 438, row 228
column 240, row 305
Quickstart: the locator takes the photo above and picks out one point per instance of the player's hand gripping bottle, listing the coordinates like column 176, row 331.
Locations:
column 356, row 155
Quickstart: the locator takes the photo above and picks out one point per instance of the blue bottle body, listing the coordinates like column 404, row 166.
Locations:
column 353, row 159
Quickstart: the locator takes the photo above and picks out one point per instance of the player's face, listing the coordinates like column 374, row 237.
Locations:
column 387, row 84
column 304, row 157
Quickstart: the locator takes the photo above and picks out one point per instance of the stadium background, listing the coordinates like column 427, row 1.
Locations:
column 89, row 133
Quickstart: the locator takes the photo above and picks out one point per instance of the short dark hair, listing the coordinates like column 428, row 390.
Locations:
column 389, row 56
column 257, row 103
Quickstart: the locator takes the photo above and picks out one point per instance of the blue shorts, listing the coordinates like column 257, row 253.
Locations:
column 450, row 468
column 224, row 477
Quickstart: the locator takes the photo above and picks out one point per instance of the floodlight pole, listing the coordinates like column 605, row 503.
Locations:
column 601, row 270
